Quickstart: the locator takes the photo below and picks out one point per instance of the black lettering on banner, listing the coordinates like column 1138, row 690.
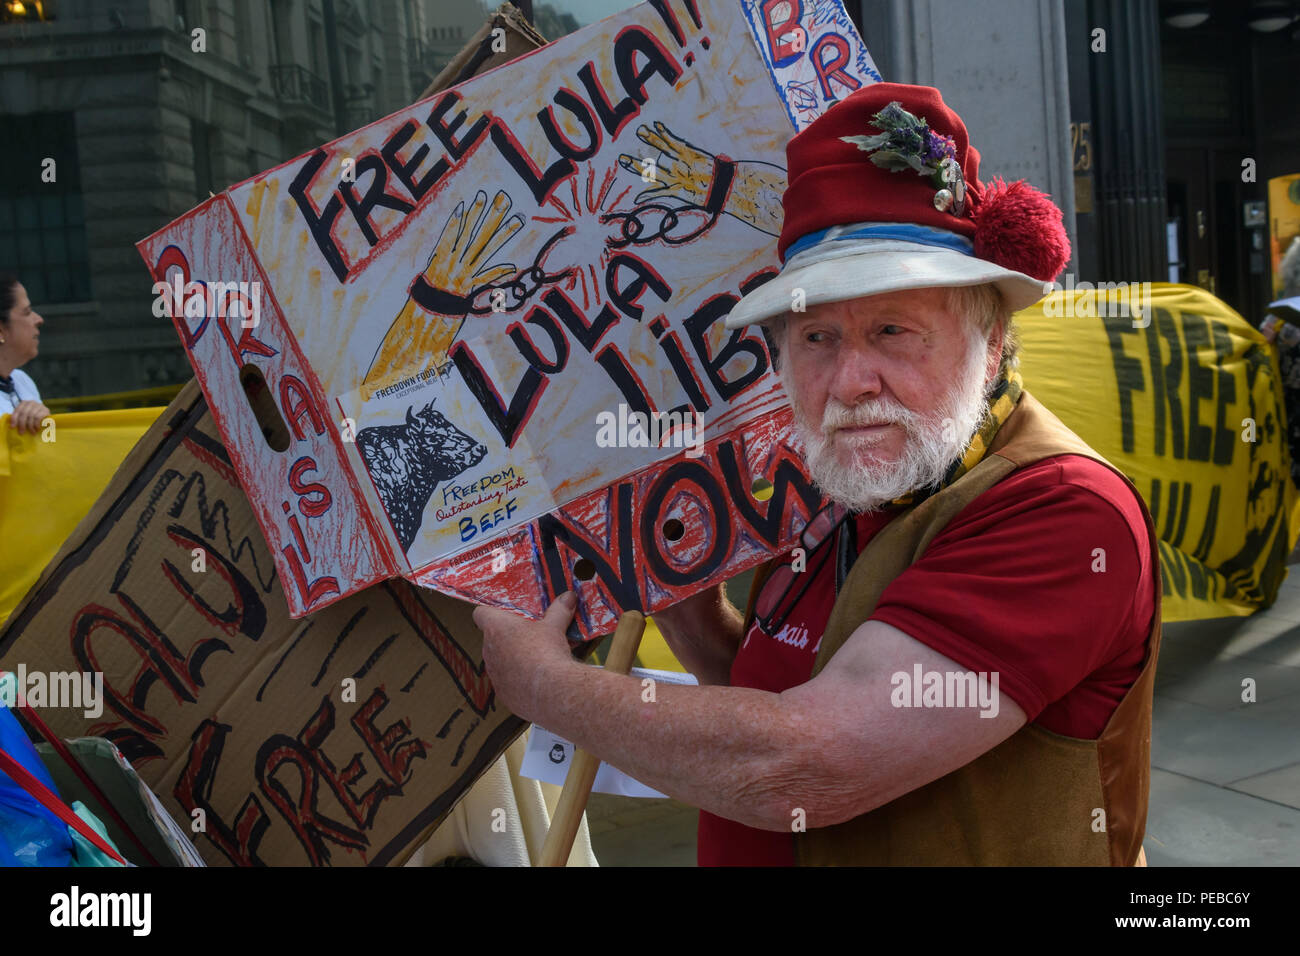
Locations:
column 613, row 118
column 686, row 376
column 1225, row 436
column 540, row 184
column 1202, row 579
column 1181, row 528
column 1156, row 366
column 1173, row 377
column 786, row 478
column 1153, row 505
column 621, row 582
column 1168, row 533
column 631, row 41
column 161, row 660
column 1182, row 575
column 1173, row 578
column 1202, row 550
column 406, row 171
column 523, row 342
column 587, row 335
column 320, row 224
column 1128, row 379
column 508, row 421
column 626, row 298
column 1176, row 497
column 304, row 754
column 697, row 327
column 445, row 131
column 376, row 195
column 246, row 614
column 555, row 136
column 193, row 791
column 718, row 524
column 1200, row 383
column 611, row 360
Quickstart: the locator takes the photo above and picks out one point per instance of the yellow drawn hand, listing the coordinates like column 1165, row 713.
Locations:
column 680, row 171
column 459, row 266
column 468, row 242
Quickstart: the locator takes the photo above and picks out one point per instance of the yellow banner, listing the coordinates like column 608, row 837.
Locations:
column 49, row 480
column 1183, row 395
column 1283, row 223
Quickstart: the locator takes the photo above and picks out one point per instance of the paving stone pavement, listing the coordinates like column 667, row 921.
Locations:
column 1225, row 777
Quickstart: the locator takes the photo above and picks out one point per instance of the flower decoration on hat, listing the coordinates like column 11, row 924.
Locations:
column 908, row 142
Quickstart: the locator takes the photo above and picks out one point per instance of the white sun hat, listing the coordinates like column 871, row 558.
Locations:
column 862, row 259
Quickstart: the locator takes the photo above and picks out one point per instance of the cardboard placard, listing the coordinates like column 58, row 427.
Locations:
column 492, row 323
column 341, row 738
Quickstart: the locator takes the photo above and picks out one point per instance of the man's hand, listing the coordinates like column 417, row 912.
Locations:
column 703, row 632
column 27, row 417
column 522, row 656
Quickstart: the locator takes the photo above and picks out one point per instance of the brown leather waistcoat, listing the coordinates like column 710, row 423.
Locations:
column 1038, row 798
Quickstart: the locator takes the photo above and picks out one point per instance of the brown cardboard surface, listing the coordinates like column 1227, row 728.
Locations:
column 478, row 55
column 341, row 738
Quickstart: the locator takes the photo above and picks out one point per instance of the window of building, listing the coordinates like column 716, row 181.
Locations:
column 42, row 219
column 203, row 142
column 282, row 32
column 316, row 38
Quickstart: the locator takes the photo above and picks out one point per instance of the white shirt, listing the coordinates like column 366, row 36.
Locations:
column 24, row 390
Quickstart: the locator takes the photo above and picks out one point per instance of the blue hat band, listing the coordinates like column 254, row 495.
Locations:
column 905, row 232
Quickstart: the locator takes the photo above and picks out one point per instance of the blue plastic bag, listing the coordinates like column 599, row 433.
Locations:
column 30, row 835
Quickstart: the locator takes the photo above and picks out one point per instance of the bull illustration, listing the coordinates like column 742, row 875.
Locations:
column 406, row 463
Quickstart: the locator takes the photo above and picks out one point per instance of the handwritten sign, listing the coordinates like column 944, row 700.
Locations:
column 342, row 738
column 492, row 324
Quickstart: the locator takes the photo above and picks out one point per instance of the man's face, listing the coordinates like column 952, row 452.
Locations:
column 887, row 391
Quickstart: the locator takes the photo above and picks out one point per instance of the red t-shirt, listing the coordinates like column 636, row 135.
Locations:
column 1008, row 586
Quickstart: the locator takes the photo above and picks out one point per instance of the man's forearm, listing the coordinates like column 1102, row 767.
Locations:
column 724, row 749
column 704, row 636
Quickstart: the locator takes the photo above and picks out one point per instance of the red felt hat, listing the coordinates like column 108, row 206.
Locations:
column 884, row 194
column 833, row 182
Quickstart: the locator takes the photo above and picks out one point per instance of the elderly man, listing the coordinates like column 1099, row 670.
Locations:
column 955, row 665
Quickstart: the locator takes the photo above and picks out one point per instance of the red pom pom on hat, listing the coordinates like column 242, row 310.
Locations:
column 1020, row 228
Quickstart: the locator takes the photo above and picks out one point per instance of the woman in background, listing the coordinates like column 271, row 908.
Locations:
column 20, row 334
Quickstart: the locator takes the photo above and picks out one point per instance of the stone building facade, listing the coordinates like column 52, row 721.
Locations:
column 143, row 117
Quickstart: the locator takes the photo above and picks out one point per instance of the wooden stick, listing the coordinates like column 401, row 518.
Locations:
column 582, row 772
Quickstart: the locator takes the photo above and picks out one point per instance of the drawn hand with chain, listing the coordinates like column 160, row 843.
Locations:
column 459, row 280
column 748, row 190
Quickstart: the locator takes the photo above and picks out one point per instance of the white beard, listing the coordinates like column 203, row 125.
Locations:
column 932, row 444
